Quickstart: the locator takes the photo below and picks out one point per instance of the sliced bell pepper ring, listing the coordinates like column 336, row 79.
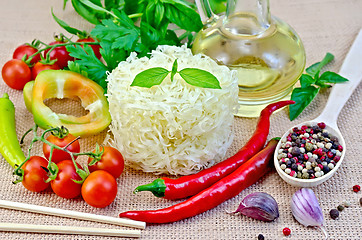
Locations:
column 28, row 94
column 66, row 84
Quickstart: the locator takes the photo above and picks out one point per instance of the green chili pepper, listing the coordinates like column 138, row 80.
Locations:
column 9, row 145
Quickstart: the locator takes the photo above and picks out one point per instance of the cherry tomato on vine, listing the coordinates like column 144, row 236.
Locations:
column 59, row 53
column 63, row 185
column 34, row 175
column 111, row 161
column 60, row 155
column 28, row 50
column 16, row 74
column 99, row 189
column 96, row 48
column 38, row 67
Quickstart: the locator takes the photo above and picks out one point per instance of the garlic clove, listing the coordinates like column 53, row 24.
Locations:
column 306, row 209
column 260, row 206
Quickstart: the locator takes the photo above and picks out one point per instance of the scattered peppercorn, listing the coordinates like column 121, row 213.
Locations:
column 286, row 231
column 334, row 213
column 360, row 201
column 346, row 204
column 260, row 237
column 340, row 208
column 356, row 188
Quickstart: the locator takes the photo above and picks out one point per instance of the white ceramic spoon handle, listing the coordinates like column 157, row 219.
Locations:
column 340, row 93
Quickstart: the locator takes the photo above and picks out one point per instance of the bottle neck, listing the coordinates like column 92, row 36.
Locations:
column 247, row 17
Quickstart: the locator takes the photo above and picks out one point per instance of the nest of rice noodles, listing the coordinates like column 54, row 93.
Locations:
column 173, row 128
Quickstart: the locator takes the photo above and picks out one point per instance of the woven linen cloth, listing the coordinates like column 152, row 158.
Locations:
column 324, row 26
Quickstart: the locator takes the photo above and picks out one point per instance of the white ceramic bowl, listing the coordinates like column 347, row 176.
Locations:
column 299, row 182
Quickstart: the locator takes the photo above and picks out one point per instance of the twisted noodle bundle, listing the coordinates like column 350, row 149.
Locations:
column 173, row 127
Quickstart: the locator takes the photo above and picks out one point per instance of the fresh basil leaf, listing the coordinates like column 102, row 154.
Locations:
column 182, row 2
column 174, row 69
column 218, row 6
column 331, row 77
column 123, row 33
column 170, row 39
column 86, row 12
column 150, row 14
column 159, row 13
column 306, row 80
column 97, row 7
column 150, row 77
column 141, row 49
column 313, row 69
column 88, row 62
column 110, row 4
column 183, row 16
column 199, row 78
column 302, row 98
column 112, row 57
column 152, row 37
column 134, row 6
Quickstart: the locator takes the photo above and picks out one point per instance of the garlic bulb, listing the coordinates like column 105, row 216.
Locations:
column 260, row 206
column 306, row 209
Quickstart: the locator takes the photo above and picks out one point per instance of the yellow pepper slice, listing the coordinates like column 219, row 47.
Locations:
column 66, row 84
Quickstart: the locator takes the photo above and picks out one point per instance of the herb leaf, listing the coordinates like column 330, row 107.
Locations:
column 174, row 69
column 199, row 78
column 302, row 97
column 86, row 12
column 311, row 83
column 123, row 33
column 109, row 4
column 66, row 26
column 315, row 68
column 183, row 16
column 306, row 80
column 75, row 67
column 111, row 56
column 331, row 77
column 89, row 63
column 150, row 77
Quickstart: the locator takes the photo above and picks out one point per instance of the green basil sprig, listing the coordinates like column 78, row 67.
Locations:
column 193, row 76
column 311, row 83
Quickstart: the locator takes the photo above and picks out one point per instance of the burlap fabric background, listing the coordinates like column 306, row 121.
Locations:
column 324, row 26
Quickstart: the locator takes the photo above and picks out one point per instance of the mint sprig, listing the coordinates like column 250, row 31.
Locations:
column 311, row 83
column 193, row 76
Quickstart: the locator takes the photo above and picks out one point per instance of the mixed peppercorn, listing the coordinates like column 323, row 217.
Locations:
column 309, row 152
column 286, row 231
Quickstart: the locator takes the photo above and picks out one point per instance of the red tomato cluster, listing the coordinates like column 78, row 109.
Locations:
column 16, row 73
column 99, row 189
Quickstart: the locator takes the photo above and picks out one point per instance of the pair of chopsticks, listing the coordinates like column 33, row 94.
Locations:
column 16, row 227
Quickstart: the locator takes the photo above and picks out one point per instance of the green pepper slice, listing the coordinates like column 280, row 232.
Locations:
column 66, row 84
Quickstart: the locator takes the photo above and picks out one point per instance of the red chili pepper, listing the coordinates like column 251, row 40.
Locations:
column 226, row 188
column 192, row 184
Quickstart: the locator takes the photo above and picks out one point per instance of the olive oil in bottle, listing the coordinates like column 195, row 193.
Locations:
column 266, row 53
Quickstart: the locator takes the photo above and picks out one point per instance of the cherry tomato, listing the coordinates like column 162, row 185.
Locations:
column 99, row 189
column 34, row 175
column 96, row 48
column 28, row 50
column 63, row 185
column 111, row 161
column 59, row 53
column 16, row 74
column 38, row 67
column 60, row 155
